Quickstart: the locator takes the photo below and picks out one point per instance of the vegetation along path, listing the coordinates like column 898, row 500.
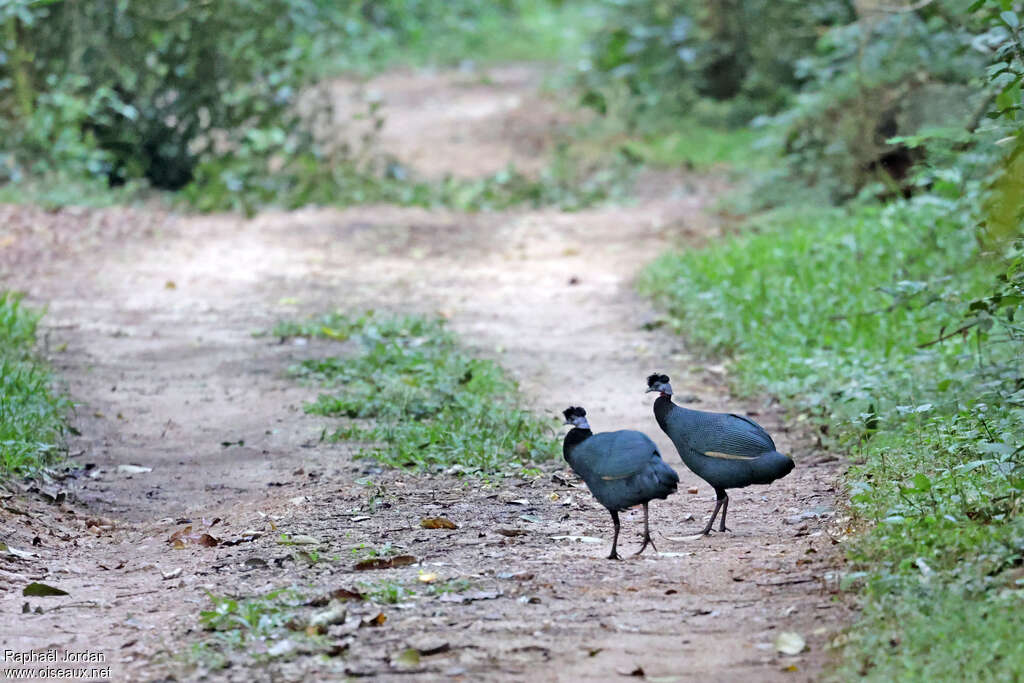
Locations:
column 189, row 419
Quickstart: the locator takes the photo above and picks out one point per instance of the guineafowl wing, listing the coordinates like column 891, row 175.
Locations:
column 730, row 436
column 613, row 455
column 623, row 469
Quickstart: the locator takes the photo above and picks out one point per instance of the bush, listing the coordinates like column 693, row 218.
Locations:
column 217, row 96
column 667, row 57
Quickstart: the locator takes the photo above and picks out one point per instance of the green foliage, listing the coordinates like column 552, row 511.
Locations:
column 885, row 76
column 274, row 625
column 150, row 91
column 665, row 56
column 567, row 183
column 873, row 321
column 216, row 97
column 418, row 399
column 927, row 632
column 31, row 415
column 701, row 147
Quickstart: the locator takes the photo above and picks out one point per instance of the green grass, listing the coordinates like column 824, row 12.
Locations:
column 833, row 311
column 406, row 388
column 700, row 147
column 31, row 415
column 58, row 190
column 481, row 33
column 567, row 182
column 279, row 624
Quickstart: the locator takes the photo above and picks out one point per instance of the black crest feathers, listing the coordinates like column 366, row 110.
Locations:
column 655, row 378
column 574, row 411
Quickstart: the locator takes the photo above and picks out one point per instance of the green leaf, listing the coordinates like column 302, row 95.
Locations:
column 1011, row 19
column 922, row 483
column 42, row 590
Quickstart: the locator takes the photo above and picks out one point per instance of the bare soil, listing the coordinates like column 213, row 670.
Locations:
column 151, row 321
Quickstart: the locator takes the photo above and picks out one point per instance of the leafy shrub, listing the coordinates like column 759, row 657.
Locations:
column 668, row 57
column 215, row 96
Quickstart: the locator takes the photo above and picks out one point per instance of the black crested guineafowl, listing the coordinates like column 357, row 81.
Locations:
column 725, row 450
column 621, row 469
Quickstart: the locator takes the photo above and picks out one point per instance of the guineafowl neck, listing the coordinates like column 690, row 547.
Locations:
column 575, row 437
column 662, row 407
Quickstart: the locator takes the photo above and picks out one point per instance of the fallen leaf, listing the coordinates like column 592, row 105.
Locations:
column 208, row 541
column 170, row 285
column 41, row 590
column 638, row 672
column 519, row 501
column 173, row 574
column 693, row 489
column 281, row 647
column 434, row 649
column 246, row 536
column 100, row 523
column 346, row 594
column 389, row 563
column 375, row 621
column 133, row 469
column 22, row 554
column 790, row 643
column 437, row 523
column 408, row 657
column 511, row 532
column 581, row 539
column 185, row 537
column 428, row 577
column 319, row 621
column 298, row 539
column 470, row 596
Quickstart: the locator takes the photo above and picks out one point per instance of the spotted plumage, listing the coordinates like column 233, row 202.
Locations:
column 621, row 469
column 727, row 451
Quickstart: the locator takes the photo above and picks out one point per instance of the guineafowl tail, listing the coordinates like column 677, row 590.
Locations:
column 771, row 466
column 664, row 480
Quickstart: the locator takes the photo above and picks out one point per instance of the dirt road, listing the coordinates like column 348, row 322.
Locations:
column 151, row 321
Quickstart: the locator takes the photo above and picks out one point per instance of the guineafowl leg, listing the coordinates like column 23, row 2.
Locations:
column 721, row 499
column 725, row 509
column 647, row 535
column 614, row 555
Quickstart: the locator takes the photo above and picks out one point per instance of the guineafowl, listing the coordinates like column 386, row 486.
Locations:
column 727, row 451
column 621, row 469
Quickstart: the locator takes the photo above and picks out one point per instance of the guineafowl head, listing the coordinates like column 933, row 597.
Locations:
column 576, row 416
column 660, row 383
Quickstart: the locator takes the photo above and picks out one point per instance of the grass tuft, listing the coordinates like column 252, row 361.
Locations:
column 409, row 391
column 31, row 416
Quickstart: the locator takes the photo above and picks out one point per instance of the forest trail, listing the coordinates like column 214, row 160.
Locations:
column 152, row 320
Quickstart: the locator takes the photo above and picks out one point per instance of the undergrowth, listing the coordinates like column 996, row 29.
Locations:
column 406, row 388
column 871, row 320
column 31, row 415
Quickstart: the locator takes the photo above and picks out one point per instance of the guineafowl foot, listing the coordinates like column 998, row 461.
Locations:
column 724, row 528
column 614, row 555
column 648, row 541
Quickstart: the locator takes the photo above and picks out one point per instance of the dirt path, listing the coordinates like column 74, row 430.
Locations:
column 154, row 334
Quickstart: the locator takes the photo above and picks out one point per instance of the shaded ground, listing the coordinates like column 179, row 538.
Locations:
column 152, row 327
